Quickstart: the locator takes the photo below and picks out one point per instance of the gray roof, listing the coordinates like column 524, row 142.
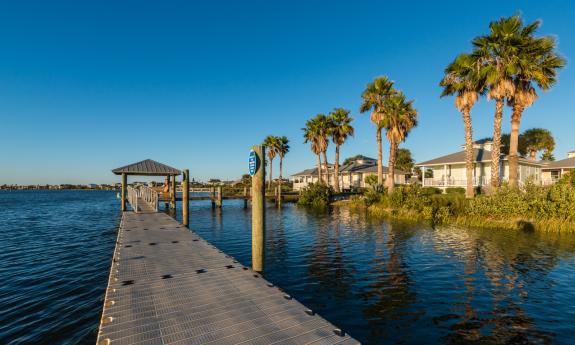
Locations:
column 564, row 163
column 147, row 167
column 351, row 168
column 479, row 155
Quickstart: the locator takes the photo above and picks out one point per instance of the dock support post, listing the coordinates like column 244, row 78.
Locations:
column 279, row 195
column 258, row 215
column 186, row 198
column 213, row 194
column 220, row 197
column 124, row 185
column 173, row 195
column 245, row 197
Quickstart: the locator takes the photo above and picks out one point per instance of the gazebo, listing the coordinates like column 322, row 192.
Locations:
column 148, row 167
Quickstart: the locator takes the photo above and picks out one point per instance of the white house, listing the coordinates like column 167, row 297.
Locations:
column 351, row 176
column 553, row 171
column 449, row 170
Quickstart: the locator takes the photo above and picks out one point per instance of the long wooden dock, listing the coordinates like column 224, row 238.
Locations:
column 169, row 286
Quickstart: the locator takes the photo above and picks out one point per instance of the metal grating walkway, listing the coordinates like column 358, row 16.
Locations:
column 169, row 286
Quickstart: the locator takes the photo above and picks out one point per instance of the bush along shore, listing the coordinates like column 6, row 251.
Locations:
column 550, row 208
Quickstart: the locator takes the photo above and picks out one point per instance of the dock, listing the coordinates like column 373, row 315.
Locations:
column 167, row 285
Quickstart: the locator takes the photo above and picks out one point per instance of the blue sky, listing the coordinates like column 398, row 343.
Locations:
column 87, row 87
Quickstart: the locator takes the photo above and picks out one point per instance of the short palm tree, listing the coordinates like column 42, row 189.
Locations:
column 462, row 80
column 399, row 119
column 496, row 59
column 311, row 135
column 271, row 143
column 538, row 139
column 341, row 130
column 538, row 65
column 282, row 150
column 374, row 97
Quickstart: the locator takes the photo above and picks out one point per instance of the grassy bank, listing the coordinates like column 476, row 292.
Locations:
column 534, row 208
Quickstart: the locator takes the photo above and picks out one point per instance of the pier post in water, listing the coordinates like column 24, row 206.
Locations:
column 186, row 198
column 213, row 194
column 220, row 197
column 258, row 211
column 124, row 185
column 245, row 197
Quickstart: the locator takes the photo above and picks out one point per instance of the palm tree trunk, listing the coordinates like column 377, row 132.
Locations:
column 469, row 193
column 270, row 181
column 391, row 167
column 319, row 177
column 326, row 168
column 336, row 170
column 514, row 144
column 496, row 151
column 279, row 197
column 379, row 157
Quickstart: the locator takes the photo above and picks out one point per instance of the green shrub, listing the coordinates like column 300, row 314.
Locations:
column 431, row 190
column 316, row 195
column 455, row 190
column 372, row 197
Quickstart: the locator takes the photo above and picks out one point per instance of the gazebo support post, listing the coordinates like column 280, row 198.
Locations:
column 124, row 185
column 173, row 195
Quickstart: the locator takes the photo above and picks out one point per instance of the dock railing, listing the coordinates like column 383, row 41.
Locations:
column 133, row 198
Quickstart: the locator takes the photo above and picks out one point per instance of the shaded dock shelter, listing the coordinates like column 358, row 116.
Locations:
column 148, row 167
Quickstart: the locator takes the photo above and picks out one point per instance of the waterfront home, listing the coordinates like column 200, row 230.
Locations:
column 351, row 176
column 553, row 171
column 449, row 170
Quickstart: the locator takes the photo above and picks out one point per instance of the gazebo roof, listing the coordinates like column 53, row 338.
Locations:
column 147, row 167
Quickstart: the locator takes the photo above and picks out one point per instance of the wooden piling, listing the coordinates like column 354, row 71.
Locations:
column 279, row 196
column 213, row 194
column 124, row 185
column 258, row 212
column 186, row 198
column 220, row 197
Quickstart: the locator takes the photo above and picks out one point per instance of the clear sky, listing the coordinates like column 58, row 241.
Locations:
column 90, row 86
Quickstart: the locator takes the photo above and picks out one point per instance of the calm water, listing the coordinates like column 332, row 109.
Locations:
column 382, row 282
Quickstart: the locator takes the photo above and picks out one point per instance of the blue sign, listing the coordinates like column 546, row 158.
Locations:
column 253, row 163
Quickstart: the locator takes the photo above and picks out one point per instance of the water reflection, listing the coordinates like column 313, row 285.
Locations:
column 408, row 283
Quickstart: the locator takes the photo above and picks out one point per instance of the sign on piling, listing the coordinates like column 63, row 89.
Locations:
column 257, row 171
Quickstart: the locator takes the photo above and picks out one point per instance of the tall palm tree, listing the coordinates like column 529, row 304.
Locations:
column 282, row 150
column 399, row 119
column 538, row 65
column 310, row 134
column 271, row 143
column 462, row 80
column 342, row 128
column 496, row 58
column 374, row 97
column 324, row 126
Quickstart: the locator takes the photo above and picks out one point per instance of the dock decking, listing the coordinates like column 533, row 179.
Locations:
column 169, row 286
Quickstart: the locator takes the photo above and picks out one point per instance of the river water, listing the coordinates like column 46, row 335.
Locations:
column 382, row 282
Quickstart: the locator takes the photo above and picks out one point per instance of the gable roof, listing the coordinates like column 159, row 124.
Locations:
column 564, row 163
column 479, row 155
column 147, row 167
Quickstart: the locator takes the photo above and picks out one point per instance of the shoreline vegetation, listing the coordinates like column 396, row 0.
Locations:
column 538, row 208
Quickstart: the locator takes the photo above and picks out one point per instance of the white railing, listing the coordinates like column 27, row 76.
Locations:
column 146, row 194
column 452, row 182
column 150, row 196
column 549, row 181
